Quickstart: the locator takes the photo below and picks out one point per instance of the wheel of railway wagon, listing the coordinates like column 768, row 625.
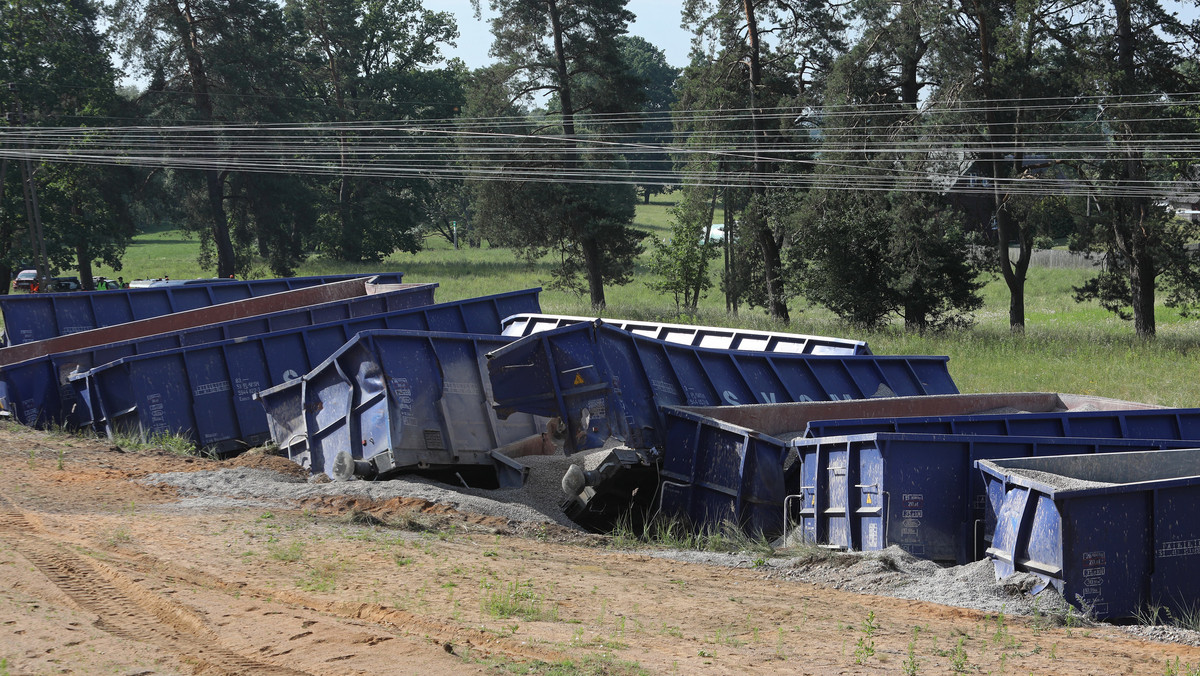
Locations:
column 343, row 466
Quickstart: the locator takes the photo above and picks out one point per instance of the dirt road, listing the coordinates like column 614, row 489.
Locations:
column 102, row 574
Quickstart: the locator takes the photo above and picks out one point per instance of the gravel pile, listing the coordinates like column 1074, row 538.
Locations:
column 896, row 573
column 538, row 501
column 1058, row 482
column 1164, row 634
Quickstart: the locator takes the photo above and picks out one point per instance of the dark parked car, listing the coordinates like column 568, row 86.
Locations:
column 65, row 284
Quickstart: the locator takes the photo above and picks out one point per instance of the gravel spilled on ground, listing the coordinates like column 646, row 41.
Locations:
column 538, row 501
column 896, row 573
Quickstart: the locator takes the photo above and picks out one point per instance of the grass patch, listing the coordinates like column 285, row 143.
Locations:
column 516, row 599
column 1154, row 614
column 293, row 551
column 321, row 577
column 176, row 444
column 665, row 533
column 118, row 537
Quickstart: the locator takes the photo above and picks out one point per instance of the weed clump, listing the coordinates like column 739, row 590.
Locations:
column 669, row 533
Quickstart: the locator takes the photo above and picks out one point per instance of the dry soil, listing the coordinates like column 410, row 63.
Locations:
column 105, row 569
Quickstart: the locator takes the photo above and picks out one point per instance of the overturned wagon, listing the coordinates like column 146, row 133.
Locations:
column 404, row 401
column 205, row 391
column 712, row 337
column 605, row 382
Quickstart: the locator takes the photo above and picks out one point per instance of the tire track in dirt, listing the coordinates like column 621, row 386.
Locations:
column 123, row 607
column 394, row 620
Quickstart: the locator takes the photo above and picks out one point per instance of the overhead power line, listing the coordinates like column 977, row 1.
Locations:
column 888, row 147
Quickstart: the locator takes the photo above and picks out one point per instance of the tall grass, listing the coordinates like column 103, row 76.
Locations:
column 1067, row 346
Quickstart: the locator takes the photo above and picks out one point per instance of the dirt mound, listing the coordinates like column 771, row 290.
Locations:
column 257, row 458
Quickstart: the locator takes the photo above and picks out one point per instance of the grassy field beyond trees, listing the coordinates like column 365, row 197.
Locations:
column 1068, row 346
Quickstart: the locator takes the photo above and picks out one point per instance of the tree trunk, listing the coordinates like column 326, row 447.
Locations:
column 1141, row 281
column 351, row 239
column 36, row 245
column 910, row 56
column 1006, row 230
column 768, row 247
column 1016, row 296
column 702, row 272
column 7, row 232
column 215, row 183
column 595, row 277
column 772, row 262
column 914, row 319
column 83, row 258
column 214, row 180
column 731, row 294
column 1014, row 273
column 350, row 248
column 83, row 265
column 1142, row 268
column 587, row 241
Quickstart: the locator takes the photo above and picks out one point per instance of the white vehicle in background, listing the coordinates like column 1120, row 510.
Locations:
column 24, row 280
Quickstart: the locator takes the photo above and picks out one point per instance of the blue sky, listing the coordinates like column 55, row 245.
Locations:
column 657, row 22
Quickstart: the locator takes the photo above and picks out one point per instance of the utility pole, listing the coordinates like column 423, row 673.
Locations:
column 37, row 241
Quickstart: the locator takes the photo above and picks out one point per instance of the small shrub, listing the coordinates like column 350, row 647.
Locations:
column 911, row 665
column 358, row 517
column 1177, row 669
column 865, row 648
column 958, row 657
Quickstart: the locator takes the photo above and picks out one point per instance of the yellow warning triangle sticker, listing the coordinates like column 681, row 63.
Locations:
column 578, row 379
column 868, row 499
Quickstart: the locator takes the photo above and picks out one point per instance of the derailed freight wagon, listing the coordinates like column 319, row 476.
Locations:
column 404, row 401
column 602, row 383
column 456, row 427
column 712, row 337
column 205, row 391
column 1116, row 535
column 704, row 446
column 34, row 317
column 428, row 421
column 919, row 491
column 178, row 321
column 1145, row 423
column 38, row 391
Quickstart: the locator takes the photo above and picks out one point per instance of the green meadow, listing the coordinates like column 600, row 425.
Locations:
column 1067, row 347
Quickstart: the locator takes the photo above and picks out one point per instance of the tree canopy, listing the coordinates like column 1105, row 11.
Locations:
column 872, row 157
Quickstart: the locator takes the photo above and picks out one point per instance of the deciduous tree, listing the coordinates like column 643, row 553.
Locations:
column 56, row 65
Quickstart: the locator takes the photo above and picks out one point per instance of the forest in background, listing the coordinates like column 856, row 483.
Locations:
column 878, row 159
